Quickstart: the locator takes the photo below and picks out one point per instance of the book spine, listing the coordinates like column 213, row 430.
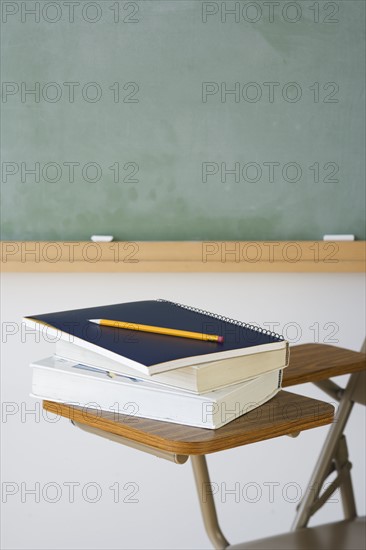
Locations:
column 280, row 376
column 287, row 355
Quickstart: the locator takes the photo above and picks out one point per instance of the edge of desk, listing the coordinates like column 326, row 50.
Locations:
column 285, row 414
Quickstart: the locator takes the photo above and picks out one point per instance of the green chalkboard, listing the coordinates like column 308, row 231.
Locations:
column 182, row 120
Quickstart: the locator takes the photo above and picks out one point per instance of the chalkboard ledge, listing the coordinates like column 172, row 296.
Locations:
column 182, row 256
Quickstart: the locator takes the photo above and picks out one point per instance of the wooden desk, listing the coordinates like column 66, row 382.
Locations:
column 285, row 414
column 316, row 362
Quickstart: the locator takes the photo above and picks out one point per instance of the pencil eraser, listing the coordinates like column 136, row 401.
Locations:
column 220, row 339
column 101, row 238
column 338, row 238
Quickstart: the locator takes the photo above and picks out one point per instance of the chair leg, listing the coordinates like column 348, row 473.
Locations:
column 207, row 503
column 326, row 457
column 341, row 462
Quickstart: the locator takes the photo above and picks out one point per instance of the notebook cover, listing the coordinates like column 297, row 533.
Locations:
column 148, row 348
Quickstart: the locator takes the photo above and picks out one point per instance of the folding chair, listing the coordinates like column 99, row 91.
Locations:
column 317, row 363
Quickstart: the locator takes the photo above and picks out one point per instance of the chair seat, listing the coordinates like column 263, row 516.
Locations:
column 315, row 362
column 342, row 535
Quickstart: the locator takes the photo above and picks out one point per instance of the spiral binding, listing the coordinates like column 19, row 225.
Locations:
column 226, row 319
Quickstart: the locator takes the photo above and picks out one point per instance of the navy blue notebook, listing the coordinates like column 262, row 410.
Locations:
column 152, row 353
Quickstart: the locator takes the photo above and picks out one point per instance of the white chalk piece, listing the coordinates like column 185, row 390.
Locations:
column 101, row 238
column 338, row 238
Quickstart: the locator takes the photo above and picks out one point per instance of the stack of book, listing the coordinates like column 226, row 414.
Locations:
column 163, row 377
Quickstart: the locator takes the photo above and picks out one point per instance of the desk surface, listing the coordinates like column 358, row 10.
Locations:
column 285, row 414
column 315, row 362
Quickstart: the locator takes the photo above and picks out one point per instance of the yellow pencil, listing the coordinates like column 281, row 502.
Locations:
column 159, row 330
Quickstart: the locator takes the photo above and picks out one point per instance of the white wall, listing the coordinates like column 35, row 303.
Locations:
column 166, row 515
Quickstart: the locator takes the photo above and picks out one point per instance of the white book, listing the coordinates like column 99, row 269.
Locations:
column 64, row 381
